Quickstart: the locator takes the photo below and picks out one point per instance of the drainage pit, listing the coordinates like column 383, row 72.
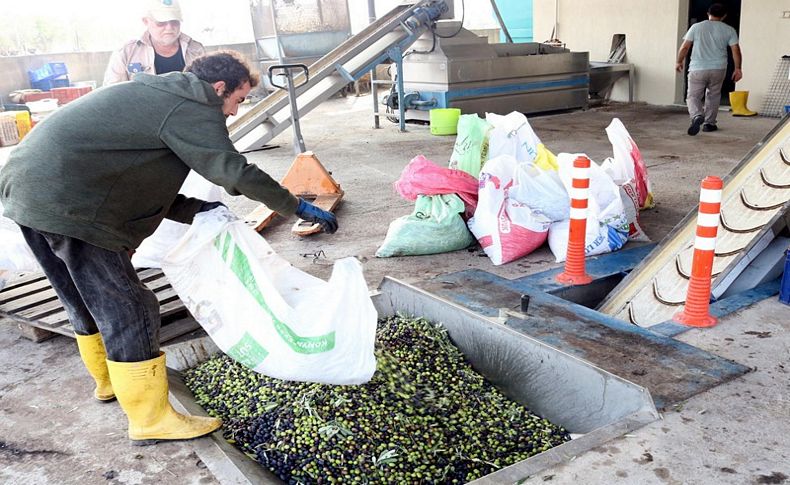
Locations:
column 592, row 294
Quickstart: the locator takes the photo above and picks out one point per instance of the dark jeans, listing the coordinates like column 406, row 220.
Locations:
column 101, row 292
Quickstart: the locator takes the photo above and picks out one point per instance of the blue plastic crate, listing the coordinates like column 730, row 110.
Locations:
column 48, row 84
column 784, row 287
column 39, row 74
column 49, row 70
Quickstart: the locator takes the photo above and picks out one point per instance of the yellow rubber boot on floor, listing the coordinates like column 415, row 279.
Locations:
column 95, row 358
column 141, row 388
column 738, row 100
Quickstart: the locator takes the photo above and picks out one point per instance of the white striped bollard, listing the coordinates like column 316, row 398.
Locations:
column 696, row 313
column 575, row 273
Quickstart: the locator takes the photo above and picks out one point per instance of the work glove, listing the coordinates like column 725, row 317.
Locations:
column 311, row 213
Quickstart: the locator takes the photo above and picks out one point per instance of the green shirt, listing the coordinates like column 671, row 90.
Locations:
column 107, row 167
column 710, row 39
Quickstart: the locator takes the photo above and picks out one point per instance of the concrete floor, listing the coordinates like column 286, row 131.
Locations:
column 736, row 433
column 366, row 162
column 51, row 431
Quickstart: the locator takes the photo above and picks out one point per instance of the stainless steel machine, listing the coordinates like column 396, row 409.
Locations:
column 451, row 67
column 297, row 31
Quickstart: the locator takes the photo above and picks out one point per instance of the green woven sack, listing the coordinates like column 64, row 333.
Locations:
column 434, row 227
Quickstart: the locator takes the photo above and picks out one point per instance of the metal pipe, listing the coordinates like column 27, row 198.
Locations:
column 501, row 22
column 398, row 58
column 423, row 102
column 280, row 53
column 371, row 11
column 556, row 19
column 298, row 139
column 374, row 89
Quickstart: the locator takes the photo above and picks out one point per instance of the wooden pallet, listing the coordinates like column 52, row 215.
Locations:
column 32, row 303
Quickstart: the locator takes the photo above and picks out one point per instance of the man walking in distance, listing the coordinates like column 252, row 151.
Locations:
column 95, row 179
column 708, row 66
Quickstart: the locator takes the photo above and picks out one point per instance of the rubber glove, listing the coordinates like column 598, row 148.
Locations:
column 311, row 213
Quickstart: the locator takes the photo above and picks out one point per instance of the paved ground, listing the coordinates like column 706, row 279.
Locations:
column 52, row 432
column 736, row 433
column 366, row 162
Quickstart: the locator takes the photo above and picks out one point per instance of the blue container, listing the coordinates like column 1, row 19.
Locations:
column 784, row 287
column 48, row 84
column 50, row 70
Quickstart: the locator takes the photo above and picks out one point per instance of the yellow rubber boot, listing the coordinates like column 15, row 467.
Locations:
column 738, row 101
column 95, row 358
column 141, row 388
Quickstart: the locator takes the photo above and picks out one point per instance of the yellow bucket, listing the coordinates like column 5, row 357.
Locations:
column 444, row 121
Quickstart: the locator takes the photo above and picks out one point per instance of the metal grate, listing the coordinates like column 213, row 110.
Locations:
column 779, row 92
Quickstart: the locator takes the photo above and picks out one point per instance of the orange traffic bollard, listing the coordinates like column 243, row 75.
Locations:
column 574, row 273
column 696, row 312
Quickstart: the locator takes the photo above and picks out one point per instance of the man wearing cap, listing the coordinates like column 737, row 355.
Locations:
column 161, row 49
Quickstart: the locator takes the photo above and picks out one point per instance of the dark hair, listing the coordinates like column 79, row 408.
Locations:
column 717, row 10
column 226, row 66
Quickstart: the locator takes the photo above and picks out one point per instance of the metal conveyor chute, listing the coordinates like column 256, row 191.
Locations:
column 387, row 37
column 754, row 210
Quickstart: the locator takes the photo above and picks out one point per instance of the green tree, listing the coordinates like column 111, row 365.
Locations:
column 46, row 33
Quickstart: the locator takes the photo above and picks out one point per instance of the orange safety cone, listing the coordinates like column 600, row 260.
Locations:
column 696, row 312
column 574, row 273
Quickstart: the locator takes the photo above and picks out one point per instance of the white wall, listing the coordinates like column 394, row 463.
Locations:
column 653, row 31
column 764, row 38
column 653, row 35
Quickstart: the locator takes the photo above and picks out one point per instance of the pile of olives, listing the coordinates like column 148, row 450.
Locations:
column 425, row 417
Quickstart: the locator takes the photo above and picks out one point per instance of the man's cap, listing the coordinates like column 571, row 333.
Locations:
column 163, row 10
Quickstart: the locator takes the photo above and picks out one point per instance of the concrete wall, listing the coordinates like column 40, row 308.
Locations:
column 764, row 39
column 653, row 35
column 82, row 66
column 653, row 31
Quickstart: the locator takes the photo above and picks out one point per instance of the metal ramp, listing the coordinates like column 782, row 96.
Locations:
column 755, row 208
column 385, row 38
